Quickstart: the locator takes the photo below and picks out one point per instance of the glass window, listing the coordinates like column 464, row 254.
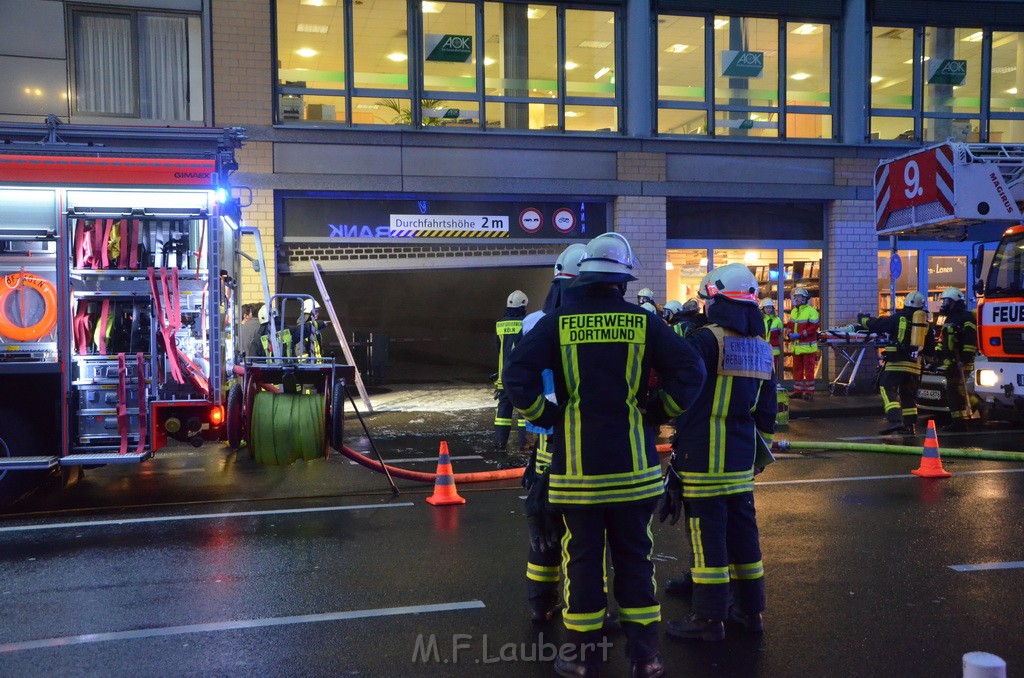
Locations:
column 808, row 79
column 1007, row 72
column 449, row 48
column 952, row 70
column 892, row 68
column 380, row 45
column 137, row 65
column 747, row 73
column 521, row 62
column 681, row 58
column 590, row 46
column 945, row 271
column 683, row 270
column 905, row 283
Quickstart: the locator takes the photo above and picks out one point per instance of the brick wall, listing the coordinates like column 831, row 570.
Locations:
column 242, row 63
column 642, row 220
column 260, row 214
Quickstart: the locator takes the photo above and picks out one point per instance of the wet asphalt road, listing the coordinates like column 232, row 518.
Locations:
column 219, row 567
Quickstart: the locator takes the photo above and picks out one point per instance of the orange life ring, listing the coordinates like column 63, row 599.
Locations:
column 45, row 289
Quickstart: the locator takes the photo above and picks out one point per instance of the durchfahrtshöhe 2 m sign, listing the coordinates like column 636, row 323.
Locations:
column 304, row 217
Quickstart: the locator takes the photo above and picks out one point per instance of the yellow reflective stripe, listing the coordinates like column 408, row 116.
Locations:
column 583, row 621
column 502, row 421
column 747, row 570
column 695, row 543
column 572, row 436
column 535, row 409
column 768, row 437
column 672, row 408
column 605, row 496
column 690, row 477
column 542, row 573
column 566, row 537
column 650, row 555
column 691, row 492
column 543, row 452
column 909, row 410
column 710, row 575
column 719, row 410
column 640, row 615
column 652, row 474
column 636, row 423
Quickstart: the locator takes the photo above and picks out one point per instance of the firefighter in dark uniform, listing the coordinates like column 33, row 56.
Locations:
column 714, row 457
column 542, row 564
column 958, row 345
column 605, row 478
column 910, row 339
column 507, row 331
column 309, row 328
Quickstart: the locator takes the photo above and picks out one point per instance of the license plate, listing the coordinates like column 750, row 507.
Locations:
column 928, row 394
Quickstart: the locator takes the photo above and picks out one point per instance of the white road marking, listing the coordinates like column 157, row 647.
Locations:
column 412, row 460
column 200, row 516
column 234, row 625
column 988, row 566
column 809, row 481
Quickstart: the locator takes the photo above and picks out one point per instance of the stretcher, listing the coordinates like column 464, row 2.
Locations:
column 849, row 346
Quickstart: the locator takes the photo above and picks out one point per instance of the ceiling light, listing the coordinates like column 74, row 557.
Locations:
column 318, row 3
column 311, row 28
column 703, row 262
column 800, row 76
column 910, row 61
column 535, row 13
column 721, row 23
column 601, row 73
column 569, row 65
column 433, row 7
column 574, row 114
column 306, row 52
column 749, row 257
column 488, row 61
column 806, row 29
column 679, row 48
column 669, row 266
column 397, row 56
column 876, row 78
column 595, row 44
column 1012, row 90
column 973, row 37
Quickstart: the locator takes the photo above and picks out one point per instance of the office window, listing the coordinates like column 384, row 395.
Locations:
column 423, row 64
column 927, row 85
column 130, row 64
column 741, row 93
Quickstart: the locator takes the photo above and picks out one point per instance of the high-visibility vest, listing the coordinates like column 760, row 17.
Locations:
column 805, row 321
column 773, row 332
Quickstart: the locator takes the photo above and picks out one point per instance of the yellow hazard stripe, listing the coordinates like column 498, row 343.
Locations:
column 747, row 570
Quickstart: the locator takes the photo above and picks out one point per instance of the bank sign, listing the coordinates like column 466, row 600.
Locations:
column 306, row 218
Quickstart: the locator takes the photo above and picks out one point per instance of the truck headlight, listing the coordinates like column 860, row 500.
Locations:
column 987, row 378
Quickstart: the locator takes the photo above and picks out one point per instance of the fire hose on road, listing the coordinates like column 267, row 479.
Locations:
column 950, row 452
column 420, row 477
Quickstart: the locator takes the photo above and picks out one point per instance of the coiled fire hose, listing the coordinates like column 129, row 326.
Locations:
column 954, row 453
column 287, row 427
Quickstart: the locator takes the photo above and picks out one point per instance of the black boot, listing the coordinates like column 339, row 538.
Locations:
column 753, row 623
column 582, row 655
column 696, row 628
column 651, row 668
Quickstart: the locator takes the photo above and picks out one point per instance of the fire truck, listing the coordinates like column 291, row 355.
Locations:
column 119, row 261
column 944, row 190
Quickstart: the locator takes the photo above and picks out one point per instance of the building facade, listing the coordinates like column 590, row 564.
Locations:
column 434, row 156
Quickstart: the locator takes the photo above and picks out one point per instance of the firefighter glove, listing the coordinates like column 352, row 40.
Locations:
column 671, row 503
column 541, row 518
column 794, row 336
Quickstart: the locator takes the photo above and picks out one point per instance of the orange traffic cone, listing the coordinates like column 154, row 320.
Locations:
column 931, row 463
column 444, row 485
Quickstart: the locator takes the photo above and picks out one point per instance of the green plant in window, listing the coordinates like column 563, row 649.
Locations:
column 403, row 116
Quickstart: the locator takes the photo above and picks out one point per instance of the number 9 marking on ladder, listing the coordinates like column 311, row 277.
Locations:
column 912, row 178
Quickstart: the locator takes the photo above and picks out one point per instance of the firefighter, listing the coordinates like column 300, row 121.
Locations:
column 909, row 340
column 803, row 336
column 773, row 333
column 645, row 296
column 507, row 332
column 542, row 563
column 605, row 478
column 713, row 463
column 309, row 328
column 958, row 344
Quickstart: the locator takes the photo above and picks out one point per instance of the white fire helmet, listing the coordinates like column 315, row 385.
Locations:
column 673, row 306
column 734, row 281
column 310, row 305
column 768, row 302
column 568, row 264
column 645, row 296
column 800, row 296
column 608, row 253
column 952, row 294
column 649, row 307
column 517, row 300
column 914, row 300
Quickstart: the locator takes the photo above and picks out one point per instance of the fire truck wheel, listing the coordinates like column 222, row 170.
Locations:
column 4, row 452
column 233, row 417
column 338, row 415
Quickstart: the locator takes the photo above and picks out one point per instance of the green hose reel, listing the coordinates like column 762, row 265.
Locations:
column 285, row 427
